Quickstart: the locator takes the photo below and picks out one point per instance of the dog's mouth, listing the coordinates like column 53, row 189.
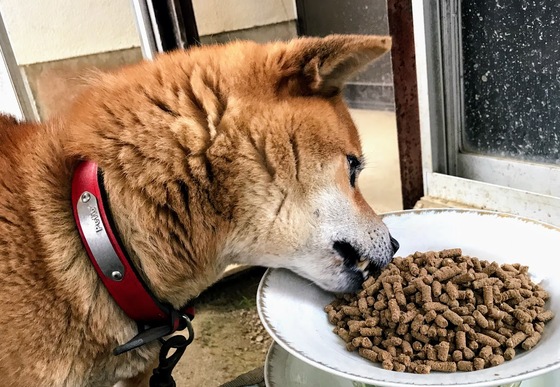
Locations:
column 353, row 259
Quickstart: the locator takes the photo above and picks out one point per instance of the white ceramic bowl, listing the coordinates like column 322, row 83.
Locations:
column 291, row 308
column 282, row 369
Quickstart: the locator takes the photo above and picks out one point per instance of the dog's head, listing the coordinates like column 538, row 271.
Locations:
column 238, row 153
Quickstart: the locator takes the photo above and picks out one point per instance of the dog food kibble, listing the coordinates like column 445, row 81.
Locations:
column 442, row 311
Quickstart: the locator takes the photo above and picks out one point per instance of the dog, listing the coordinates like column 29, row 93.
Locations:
column 241, row 153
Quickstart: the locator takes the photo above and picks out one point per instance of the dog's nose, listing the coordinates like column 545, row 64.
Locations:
column 394, row 244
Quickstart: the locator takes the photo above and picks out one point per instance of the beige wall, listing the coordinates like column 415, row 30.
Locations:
column 216, row 16
column 43, row 31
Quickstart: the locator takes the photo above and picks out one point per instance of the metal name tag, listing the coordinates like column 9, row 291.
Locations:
column 97, row 238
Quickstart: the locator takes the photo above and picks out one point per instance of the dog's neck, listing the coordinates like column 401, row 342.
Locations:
column 170, row 278
column 104, row 248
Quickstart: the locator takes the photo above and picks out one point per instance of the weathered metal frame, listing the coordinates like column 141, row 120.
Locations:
column 20, row 92
column 480, row 181
column 165, row 25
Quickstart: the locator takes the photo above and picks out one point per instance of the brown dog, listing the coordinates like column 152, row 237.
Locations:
column 240, row 153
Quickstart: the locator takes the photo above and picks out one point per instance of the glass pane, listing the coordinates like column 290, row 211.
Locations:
column 511, row 68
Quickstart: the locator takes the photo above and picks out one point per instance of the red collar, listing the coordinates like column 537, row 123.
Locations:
column 115, row 269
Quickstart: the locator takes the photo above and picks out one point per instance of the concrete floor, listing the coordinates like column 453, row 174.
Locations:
column 380, row 181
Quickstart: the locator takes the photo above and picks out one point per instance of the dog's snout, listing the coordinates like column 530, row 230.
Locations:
column 395, row 245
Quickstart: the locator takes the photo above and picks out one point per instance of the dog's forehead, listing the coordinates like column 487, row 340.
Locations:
column 327, row 124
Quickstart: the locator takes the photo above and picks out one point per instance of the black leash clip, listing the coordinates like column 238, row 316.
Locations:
column 148, row 334
column 162, row 376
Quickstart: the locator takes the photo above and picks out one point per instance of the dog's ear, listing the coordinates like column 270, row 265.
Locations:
column 312, row 66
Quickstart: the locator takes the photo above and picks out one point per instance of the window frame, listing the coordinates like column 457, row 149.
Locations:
column 499, row 184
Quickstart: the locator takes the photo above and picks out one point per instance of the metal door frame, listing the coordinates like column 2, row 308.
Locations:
column 165, row 25
column 18, row 92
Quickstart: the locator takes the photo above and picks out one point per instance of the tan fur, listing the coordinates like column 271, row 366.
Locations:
column 211, row 156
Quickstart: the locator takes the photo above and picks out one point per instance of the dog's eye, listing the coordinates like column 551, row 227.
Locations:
column 354, row 166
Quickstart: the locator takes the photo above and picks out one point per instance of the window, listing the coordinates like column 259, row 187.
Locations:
column 489, row 91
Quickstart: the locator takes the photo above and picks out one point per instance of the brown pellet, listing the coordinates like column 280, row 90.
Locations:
column 442, row 333
column 531, row 301
column 485, row 352
column 531, row 341
column 468, row 353
column 488, row 295
column 399, row 367
column 473, row 345
column 387, row 365
column 362, row 305
column 480, row 319
column 452, row 290
column 395, row 310
column 437, row 306
column 452, row 317
column 450, row 253
column 344, row 334
column 442, row 366
column 357, row 342
column 422, row 368
column 399, row 294
column 509, row 353
column 442, row 350
column 516, row 339
column 408, row 316
column 463, row 278
column 496, row 360
column 366, row 343
column 447, row 272
column 332, row 317
column 442, row 311
column 402, row 329
column 368, row 354
column 350, row 347
column 478, row 363
column 461, row 340
column 441, row 321
column 545, row 316
column 521, row 315
column 464, row 365
column 481, row 283
column 457, row 355
column 372, row 321
column 539, row 326
column 431, row 353
column 417, row 322
column 388, row 288
column 495, row 335
column 527, row 328
column 351, row 311
column 420, row 337
column 355, row 325
column 487, row 340
column 380, row 305
column 407, row 348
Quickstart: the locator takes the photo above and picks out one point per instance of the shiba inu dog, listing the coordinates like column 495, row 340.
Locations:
column 238, row 153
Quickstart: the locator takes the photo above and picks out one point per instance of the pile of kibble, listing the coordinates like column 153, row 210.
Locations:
column 442, row 311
